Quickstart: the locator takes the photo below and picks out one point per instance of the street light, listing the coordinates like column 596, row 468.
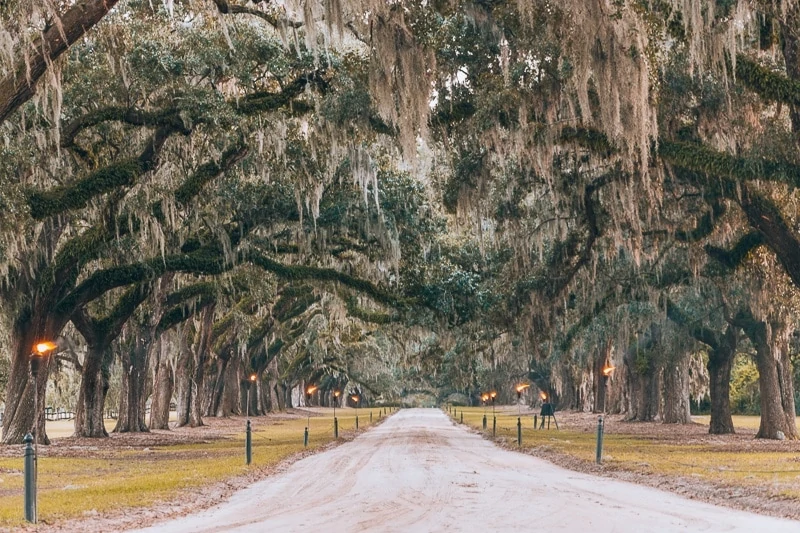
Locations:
column 253, row 378
column 336, row 395
column 41, row 351
column 493, row 395
column 309, row 391
column 520, row 388
column 248, row 444
column 484, row 399
column 607, row 370
column 356, row 399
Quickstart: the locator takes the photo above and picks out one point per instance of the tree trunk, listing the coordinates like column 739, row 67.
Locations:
column 676, row 392
column 89, row 419
column 18, row 418
column 134, row 384
column 218, row 393
column 231, row 401
column 720, row 364
column 163, row 387
column 183, row 378
column 199, row 360
column 774, row 379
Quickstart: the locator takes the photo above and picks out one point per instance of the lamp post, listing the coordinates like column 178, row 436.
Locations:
column 336, row 395
column 356, row 399
column 41, row 351
column 484, row 399
column 493, row 395
column 309, row 391
column 601, row 394
column 520, row 388
column 248, row 441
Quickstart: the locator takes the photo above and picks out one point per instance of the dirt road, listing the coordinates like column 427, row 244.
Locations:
column 419, row 472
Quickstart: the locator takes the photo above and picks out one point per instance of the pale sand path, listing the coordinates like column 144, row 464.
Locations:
column 419, row 472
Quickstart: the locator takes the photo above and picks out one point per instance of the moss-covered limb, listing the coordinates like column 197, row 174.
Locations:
column 74, row 254
column 76, row 195
column 732, row 258
column 294, row 301
column 258, row 333
column 227, row 8
column 368, row 316
column 378, row 125
column 770, row 85
column 205, row 260
column 184, row 311
column 260, row 102
column 699, row 158
column 766, row 218
column 100, row 332
column 64, row 198
column 111, row 324
column 705, row 335
column 209, row 171
column 591, row 139
column 19, row 84
column 189, row 292
column 586, row 320
column 302, row 272
column 169, row 118
column 705, row 225
column 246, row 305
column 450, row 115
column 566, row 271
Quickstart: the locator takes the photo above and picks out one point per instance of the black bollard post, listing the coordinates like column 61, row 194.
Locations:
column 356, row 421
column 484, row 422
column 370, row 417
column 30, row 479
column 535, row 422
column 519, row 431
column 462, row 417
column 335, row 428
column 248, row 445
column 494, row 426
column 305, row 438
column 599, row 458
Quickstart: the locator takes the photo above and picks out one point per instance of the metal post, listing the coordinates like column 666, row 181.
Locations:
column 462, row 417
column 535, row 422
column 519, row 431
column 599, row 458
column 484, row 422
column 33, row 471
column 30, row 479
column 494, row 426
column 335, row 428
column 248, row 445
column 370, row 417
column 305, row 438
column 356, row 421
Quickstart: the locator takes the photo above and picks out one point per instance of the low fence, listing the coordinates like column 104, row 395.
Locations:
column 52, row 415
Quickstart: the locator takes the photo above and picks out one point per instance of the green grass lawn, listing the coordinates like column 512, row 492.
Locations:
column 109, row 479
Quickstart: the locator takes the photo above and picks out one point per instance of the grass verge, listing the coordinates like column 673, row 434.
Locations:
column 85, row 477
column 755, row 469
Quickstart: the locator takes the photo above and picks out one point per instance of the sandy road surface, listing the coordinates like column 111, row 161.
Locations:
column 419, row 472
